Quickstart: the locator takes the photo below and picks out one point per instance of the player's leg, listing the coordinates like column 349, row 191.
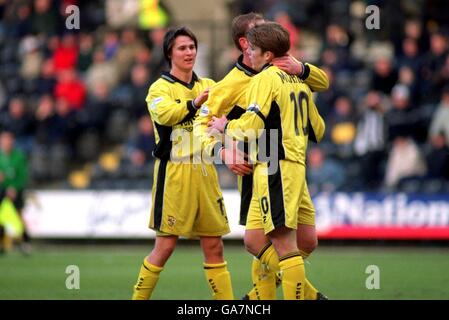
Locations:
column 153, row 265
column 307, row 242
column 291, row 263
column 264, row 266
column 167, row 208
column 25, row 241
column 307, row 238
column 210, row 225
column 215, row 268
column 280, row 222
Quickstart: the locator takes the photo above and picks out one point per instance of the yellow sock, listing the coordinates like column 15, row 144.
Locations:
column 293, row 276
column 148, row 277
column 310, row 292
column 304, row 254
column 219, row 280
column 269, row 256
column 264, row 282
column 7, row 242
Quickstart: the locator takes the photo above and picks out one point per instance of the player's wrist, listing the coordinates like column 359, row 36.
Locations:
column 302, row 67
column 194, row 105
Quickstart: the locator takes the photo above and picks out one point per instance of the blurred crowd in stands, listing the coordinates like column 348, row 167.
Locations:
column 76, row 100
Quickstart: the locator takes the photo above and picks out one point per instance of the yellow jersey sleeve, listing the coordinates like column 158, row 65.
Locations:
column 165, row 109
column 218, row 103
column 316, row 123
column 315, row 78
column 259, row 97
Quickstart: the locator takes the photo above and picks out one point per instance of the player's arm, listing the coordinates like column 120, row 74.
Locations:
column 249, row 125
column 313, row 76
column 317, row 125
column 167, row 111
column 217, row 104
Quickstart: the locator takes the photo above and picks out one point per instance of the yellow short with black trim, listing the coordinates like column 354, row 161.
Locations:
column 187, row 200
column 280, row 199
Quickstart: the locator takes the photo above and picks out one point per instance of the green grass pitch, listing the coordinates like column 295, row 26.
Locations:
column 110, row 271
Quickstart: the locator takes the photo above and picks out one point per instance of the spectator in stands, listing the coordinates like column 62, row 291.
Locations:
column 19, row 122
column 110, row 45
column 102, row 70
column 55, row 126
column 14, row 177
column 384, row 75
column 402, row 119
column 341, row 127
column 326, row 99
column 71, row 88
column 323, row 174
column 31, row 58
column 18, row 22
column 129, row 46
column 404, row 161
column 410, row 55
column 370, row 141
column 46, row 82
column 141, row 146
column 65, row 54
column 86, row 50
column 407, row 77
column 433, row 64
column 335, row 52
column 438, row 158
column 140, row 77
column 156, row 41
column 45, row 17
column 440, row 119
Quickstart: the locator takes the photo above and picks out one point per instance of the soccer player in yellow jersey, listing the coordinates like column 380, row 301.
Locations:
column 282, row 105
column 187, row 200
column 228, row 97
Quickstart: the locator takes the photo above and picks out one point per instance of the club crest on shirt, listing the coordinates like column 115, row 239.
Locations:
column 155, row 102
column 204, row 111
column 254, row 107
column 171, row 221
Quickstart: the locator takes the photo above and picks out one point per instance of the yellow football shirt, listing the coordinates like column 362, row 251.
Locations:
column 282, row 105
column 170, row 103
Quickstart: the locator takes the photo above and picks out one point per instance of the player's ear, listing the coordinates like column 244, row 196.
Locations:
column 243, row 43
column 268, row 56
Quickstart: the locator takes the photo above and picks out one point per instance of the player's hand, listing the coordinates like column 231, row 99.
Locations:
column 217, row 124
column 288, row 64
column 235, row 161
column 201, row 98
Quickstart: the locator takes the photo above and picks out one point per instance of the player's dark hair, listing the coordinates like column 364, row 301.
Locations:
column 242, row 23
column 169, row 40
column 270, row 36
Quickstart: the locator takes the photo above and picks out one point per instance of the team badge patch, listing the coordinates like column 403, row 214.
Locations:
column 204, row 111
column 253, row 107
column 155, row 102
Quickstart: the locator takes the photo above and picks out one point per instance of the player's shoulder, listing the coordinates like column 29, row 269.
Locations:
column 162, row 82
column 267, row 74
column 206, row 81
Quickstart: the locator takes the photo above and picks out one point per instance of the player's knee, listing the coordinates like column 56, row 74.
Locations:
column 252, row 246
column 213, row 248
column 308, row 245
column 164, row 251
